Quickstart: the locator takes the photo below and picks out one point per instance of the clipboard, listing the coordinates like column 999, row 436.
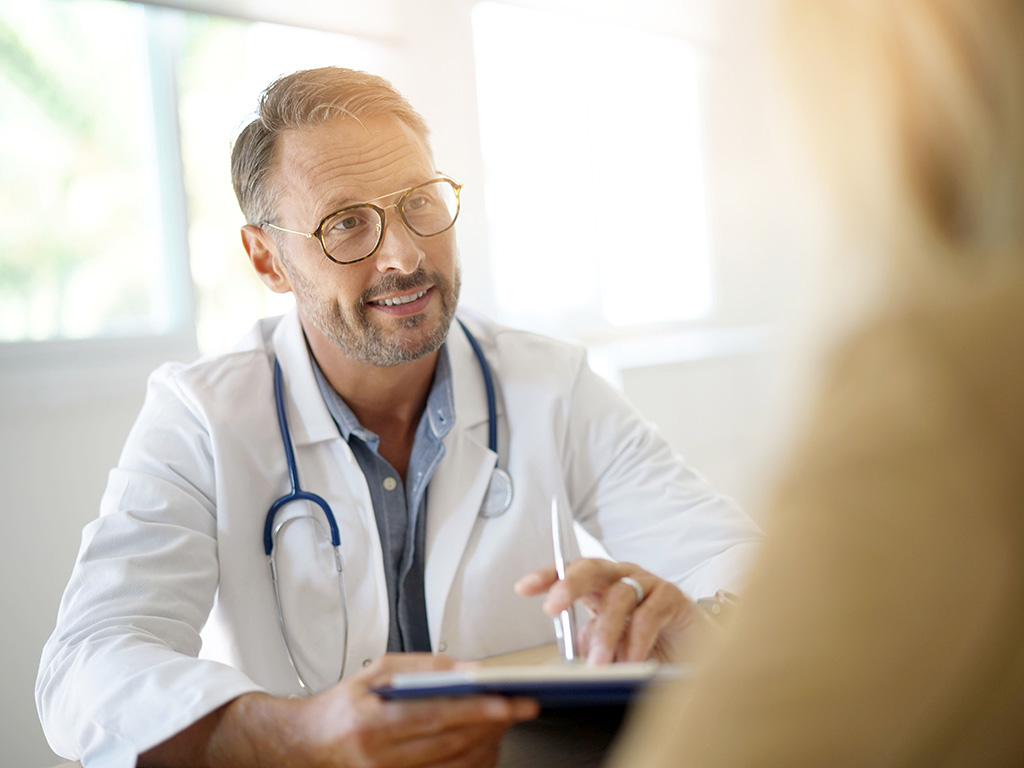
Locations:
column 552, row 685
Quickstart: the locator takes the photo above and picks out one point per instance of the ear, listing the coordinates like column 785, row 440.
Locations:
column 265, row 258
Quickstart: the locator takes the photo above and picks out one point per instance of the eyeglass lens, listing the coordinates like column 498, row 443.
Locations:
column 354, row 233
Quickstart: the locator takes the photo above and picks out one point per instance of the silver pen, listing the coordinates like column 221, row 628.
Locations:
column 565, row 622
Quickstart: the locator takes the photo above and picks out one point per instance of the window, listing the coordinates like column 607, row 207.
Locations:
column 83, row 235
column 117, row 217
column 595, row 192
column 115, row 188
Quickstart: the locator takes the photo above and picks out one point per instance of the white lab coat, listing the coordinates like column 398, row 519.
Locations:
column 179, row 542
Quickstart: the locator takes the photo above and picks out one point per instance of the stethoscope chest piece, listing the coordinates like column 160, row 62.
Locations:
column 499, row 494
column 499, row 490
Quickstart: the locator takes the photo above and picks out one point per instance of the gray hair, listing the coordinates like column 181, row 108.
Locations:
column 306, row 99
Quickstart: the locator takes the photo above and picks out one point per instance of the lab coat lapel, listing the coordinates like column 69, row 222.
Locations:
column 460, row 482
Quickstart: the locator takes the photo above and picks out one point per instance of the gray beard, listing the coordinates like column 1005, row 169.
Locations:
column 364, row 342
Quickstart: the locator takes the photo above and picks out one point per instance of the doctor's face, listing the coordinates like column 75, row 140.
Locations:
column 395, row 306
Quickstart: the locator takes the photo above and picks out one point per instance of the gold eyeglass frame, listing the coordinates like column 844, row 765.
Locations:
column 318, row 233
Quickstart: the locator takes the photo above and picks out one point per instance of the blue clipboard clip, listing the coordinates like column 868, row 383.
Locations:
column 565, row 622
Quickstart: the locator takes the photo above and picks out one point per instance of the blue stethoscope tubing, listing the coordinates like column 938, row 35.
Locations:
column 499, row 491
column 492, row 401
column 498, row 499
column 297, row 494
column 270, row 533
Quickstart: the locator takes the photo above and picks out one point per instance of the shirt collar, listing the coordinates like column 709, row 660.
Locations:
column 439, row 413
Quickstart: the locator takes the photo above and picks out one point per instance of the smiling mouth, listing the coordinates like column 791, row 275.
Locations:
column 399, row 300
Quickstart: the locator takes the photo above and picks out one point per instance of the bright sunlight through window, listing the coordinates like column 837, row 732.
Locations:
column 595, row 191
column 82, row 251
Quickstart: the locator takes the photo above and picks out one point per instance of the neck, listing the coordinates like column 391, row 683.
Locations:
column 388, row 401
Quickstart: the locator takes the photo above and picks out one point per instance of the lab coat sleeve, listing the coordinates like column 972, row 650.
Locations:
column 644, row 503
column 120, row 673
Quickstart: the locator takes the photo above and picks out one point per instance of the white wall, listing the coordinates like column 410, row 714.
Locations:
column 54, row 462
column 63, row 424
column 63, row 427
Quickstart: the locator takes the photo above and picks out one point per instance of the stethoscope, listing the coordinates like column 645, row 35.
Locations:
column 496, row 501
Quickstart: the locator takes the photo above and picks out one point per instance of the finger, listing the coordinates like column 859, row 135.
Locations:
column 646, row 623
column 656, row 627
column 610, row 625
column 465, row 747
column 622, row 629
column 536, row 582
column 659, row 628
column 482, row 752
column 398, row 732
column 586, row 580
column 425, row 717
column 583, row 645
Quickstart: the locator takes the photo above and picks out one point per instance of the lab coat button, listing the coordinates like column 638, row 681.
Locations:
column 367, row 662
column 390, row 483
column 442, row 647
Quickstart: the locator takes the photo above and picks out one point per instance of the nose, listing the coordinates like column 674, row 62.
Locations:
column 399, row 248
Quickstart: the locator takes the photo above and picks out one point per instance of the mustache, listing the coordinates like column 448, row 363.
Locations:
column 391, row 283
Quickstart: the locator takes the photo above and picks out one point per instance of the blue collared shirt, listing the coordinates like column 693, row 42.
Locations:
column 402, row 535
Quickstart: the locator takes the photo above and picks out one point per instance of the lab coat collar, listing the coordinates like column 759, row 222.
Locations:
column 308, row 417
column 467, row 382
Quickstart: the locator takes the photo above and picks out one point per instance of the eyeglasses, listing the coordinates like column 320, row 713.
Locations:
column 355, row 233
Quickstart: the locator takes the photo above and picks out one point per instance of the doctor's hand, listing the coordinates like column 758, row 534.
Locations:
column 652, row 620
column 352, row 726
column 348, row 726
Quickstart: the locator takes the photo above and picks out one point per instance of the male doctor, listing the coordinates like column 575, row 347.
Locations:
column 383, row 403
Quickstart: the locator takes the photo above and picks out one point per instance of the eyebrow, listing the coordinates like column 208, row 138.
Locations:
column 351, row 202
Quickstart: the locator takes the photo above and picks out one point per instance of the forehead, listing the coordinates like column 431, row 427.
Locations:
column 346, row 160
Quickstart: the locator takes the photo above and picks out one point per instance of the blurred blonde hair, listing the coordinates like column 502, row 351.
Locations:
column 916, row 113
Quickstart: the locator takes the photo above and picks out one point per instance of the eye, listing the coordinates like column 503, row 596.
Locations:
column 346, row 223
column 350, row 222
column 417, row 202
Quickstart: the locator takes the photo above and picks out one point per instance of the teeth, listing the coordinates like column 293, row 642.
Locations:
column 402, row 299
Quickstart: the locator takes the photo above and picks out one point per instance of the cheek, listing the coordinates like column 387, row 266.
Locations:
column 346, row 285
column 339, row 279
column 441, row 250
